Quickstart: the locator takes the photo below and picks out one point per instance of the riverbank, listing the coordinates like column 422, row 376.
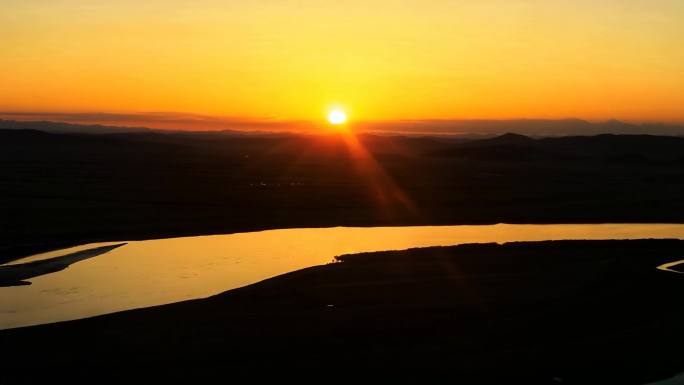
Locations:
column 10, row 252
column 542, row 312
column 171, row 270
column 60, row 190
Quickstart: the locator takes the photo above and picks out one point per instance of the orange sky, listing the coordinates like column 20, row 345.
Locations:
column 380, row 60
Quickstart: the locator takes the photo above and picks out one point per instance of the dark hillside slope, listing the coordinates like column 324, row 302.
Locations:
column 576, row 312
column 58, row 189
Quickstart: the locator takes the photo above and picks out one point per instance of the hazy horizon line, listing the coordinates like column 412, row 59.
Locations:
column 180, row 121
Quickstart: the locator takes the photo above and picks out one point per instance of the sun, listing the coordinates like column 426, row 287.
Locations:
column 337, row 117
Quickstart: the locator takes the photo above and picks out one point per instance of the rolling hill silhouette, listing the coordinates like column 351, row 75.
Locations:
column 150, row 184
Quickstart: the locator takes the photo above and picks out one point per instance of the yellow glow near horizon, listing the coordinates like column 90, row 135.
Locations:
column 337, row 117
column 406, row 59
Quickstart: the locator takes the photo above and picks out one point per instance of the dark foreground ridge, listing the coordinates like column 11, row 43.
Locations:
column 15, row 275
column 571, row 312
column 59, row 190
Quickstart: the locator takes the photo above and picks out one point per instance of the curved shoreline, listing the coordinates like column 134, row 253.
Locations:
column 9, row 252
column 15, row 252
column 668, row 267
column 16, row 275
column 487, row 313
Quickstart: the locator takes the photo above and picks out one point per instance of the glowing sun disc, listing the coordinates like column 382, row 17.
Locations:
column 337, row 117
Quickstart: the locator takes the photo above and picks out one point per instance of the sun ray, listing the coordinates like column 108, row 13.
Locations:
column 389, row 196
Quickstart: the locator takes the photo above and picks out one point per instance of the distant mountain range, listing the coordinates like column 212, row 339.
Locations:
column 633, row 149
column 467, row 128
column 72, row 128
column 68, row 128
column 60, row 188
column 531, row 127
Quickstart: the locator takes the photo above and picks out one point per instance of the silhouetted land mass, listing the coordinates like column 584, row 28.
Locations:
column 62, row 189
column 68, row 128
column 571, row 312
column 534, row 127
column 449, row 127
column 15, row 275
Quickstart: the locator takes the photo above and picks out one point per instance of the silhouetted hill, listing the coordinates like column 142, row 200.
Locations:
column 618, row 148
column 64, row 128
column 456, row 128
column 659, row 148
column 532, row 127
column 508, row 139
column 571, row 312
column 57, row 189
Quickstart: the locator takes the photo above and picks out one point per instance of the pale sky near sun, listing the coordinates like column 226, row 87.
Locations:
column 379, row 60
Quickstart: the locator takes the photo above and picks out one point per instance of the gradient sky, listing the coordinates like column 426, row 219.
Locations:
column 381, row 60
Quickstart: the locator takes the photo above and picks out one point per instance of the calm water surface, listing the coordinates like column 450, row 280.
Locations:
column 154, row 272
